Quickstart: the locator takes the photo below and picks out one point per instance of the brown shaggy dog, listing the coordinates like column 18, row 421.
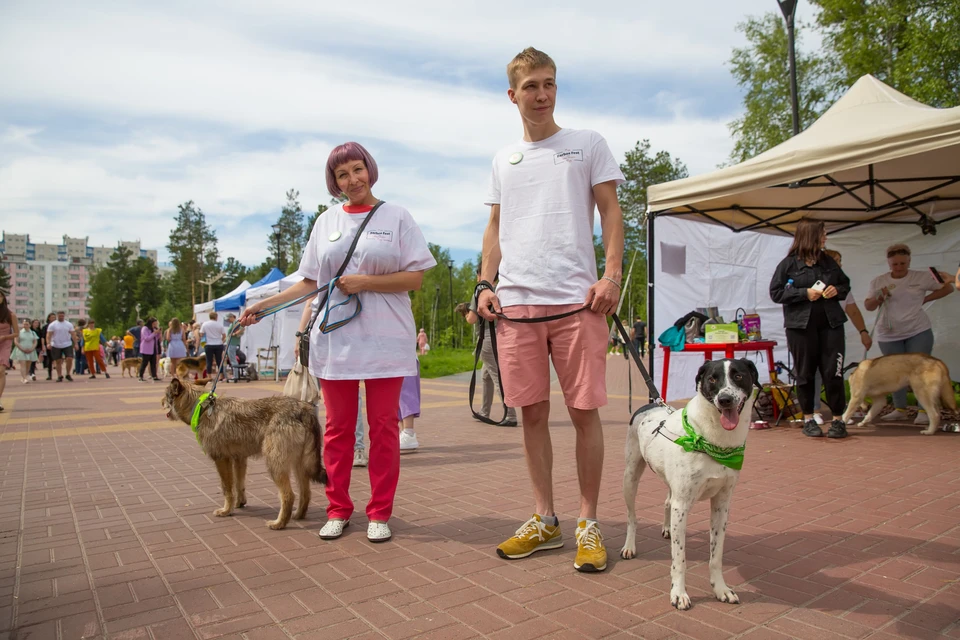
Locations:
column 188, row 364
column 285, row 431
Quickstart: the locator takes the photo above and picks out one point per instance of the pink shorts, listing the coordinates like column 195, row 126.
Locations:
column 576, row 344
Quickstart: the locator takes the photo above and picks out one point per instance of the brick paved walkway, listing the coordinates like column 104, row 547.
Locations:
column 107, row 531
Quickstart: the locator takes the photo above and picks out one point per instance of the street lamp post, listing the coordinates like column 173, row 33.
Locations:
column 450, row 272
column 276, row 234
column 789, row 10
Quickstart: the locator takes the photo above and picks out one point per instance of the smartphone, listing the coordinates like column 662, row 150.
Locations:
column 818, row 286
column 936, row 275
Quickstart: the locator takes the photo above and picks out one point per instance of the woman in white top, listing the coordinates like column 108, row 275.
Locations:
column 374, row 346
column 902, row 325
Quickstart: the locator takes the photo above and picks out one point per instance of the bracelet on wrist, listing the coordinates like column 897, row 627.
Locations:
column 864, row 331
column 613, row 281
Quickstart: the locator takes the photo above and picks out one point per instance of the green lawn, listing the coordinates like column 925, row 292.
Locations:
column 444, row 362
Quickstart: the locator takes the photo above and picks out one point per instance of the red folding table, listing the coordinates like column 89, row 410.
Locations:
column 708, row 349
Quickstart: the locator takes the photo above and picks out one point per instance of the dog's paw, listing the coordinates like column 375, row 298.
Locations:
column 628, row 552
column 276, row 524
column 665, row 533
column 680, row 601
column 300, row 515
column 241, row 502
column 222, row 513
column 928, row 432
column 726, row 594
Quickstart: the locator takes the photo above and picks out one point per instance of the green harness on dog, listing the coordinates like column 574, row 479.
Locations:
column 197, row 412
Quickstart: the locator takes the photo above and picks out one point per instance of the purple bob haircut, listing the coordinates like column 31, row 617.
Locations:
column 348, row 152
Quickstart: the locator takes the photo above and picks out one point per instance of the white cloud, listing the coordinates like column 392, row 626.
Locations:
column 183, row 88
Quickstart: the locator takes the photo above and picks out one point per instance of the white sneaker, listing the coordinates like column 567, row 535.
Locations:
column 818, row 419
column 408, row 441
column 333, row 529
column 895, row 415
column 359, row 458
column 378, row 532
column 922, row 418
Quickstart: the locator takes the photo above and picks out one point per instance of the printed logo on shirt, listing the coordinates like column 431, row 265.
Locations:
column 383, row 235
column 569, row 155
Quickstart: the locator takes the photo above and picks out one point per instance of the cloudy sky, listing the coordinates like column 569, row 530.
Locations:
column 112, row 113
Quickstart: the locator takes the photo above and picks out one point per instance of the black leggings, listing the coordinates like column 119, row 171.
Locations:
column 152, row 360
column 819, row 346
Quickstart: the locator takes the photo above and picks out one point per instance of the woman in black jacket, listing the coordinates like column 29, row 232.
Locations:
column 814, row 319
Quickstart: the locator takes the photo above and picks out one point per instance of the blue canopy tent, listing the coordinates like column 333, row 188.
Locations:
column 239, row 299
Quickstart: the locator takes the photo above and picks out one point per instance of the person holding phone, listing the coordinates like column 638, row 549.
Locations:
column 902, row 324
column 810, row 285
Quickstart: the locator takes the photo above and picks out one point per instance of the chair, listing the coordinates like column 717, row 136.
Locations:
column 268, row 360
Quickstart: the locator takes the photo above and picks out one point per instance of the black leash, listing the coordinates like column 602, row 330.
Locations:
column 655, row 399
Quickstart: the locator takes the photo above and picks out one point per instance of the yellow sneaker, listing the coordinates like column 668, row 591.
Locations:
column 591, row 554
column 534, row 535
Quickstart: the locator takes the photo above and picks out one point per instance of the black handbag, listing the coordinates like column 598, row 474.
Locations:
column 304, row 351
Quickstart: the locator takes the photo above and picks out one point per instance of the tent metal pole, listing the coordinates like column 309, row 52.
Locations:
column 651, row 281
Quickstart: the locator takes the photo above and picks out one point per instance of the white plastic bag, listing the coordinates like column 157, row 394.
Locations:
column 301, row 385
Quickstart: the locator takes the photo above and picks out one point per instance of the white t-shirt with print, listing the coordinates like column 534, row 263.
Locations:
column 381, row 341
column 62, row 333
column 213, row 332
column 903, row 317
column 545, row 193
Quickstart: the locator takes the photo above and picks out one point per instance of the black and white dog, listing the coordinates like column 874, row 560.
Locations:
column 720, row 414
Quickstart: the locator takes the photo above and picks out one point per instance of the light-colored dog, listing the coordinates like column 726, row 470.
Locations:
column 720, row 414
column 129, row 365
column 164, row 368
column 928, row 376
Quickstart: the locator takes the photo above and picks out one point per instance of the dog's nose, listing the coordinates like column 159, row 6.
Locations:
column 725, row 402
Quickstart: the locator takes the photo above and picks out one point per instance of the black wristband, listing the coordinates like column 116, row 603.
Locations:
column 482, row 285
column 864, row 331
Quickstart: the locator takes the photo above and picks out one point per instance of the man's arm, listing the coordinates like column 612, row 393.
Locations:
column 490, row 257
column 605, row 293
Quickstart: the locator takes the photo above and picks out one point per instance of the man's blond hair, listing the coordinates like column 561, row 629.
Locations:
column 528, row 60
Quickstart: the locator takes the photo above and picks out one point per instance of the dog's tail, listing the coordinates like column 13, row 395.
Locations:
column 947, row 397
column 312, row 455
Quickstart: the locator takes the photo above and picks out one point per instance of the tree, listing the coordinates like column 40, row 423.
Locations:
column 236, row 272
column 4, row 281
column 912, row 45
column 762, row 70
column 289, row 246
column 148, row 291
column 105, row 303
column 641, row 168
column 194, row 253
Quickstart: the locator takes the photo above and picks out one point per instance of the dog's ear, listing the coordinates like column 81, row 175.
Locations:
column 176, row 386
column 753, row 372
column 701, row 372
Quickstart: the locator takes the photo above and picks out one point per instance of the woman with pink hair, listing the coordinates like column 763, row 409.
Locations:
column 365, row 331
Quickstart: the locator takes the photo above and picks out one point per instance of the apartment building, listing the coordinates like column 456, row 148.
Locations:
column 46, row 278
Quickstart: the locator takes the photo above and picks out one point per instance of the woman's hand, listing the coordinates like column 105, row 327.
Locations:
column 866, row 340
column 249, row 315
column 813, row 294
column 830, row 292
column 351, row 284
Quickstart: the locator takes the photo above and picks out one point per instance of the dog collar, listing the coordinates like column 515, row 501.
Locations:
column 731, row 457
column 197, row 412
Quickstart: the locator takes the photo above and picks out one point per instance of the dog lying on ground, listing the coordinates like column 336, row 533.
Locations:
column 719, row 414
column 191, row 364
column 285, row 431
column 130, row 365
column 928, row 376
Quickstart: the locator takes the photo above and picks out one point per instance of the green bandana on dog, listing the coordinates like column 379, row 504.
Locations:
column 197, row 410
column 729, row 457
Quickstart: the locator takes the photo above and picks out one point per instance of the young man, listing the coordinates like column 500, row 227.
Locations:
column 638, row 333
column 135, row 332
column 60, row 337
column 542, row 195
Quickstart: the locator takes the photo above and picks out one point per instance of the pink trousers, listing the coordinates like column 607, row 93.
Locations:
column 383, row 402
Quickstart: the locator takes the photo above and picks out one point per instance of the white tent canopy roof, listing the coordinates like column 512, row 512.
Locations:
column 206, row 307
column 876, row 156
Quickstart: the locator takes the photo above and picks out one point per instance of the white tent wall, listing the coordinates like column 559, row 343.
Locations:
column 733, row 270
column 723, row 268
column 278, row 329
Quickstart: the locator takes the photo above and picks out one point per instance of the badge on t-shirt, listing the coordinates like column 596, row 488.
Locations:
column 569, row 155
column 383, row 235
column 516, row 158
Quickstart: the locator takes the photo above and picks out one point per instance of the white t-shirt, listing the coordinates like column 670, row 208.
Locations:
column 545, row 193
column 62, row 334
column 903, row 317
column 381, row 341
column 213, row 332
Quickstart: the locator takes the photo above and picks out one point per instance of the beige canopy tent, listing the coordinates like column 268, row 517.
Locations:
column 875, row 156
column 877, row 167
